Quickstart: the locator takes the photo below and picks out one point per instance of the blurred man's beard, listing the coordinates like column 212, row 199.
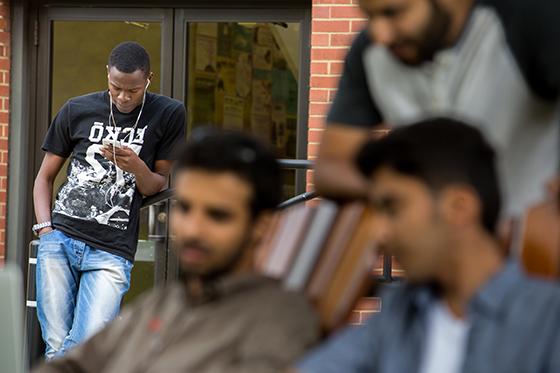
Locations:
column 432, row 39
column 223, row 270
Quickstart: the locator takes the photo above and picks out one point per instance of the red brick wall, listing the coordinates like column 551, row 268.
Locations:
column 4, row 117
column 365, row 308
column 334, row 25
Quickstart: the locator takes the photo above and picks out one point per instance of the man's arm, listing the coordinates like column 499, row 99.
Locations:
column 545, row 29
column 336, row 176
column 358, row 349
column 43, row 188
column 352, row 350
column 148, row 182
column 351, row 118
column 532, row 32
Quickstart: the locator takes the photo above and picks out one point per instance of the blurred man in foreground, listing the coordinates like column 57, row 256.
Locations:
column 493, row 63
column 222, row 317
column 463, row 307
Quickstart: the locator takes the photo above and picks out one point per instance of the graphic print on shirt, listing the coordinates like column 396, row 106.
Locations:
column 96, row 190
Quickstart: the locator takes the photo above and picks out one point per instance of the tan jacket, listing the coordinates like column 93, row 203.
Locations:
column 249, row 325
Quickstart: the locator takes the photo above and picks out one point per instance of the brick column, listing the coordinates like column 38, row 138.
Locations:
column 4, row 117
column 335, row 23
column 334, row 26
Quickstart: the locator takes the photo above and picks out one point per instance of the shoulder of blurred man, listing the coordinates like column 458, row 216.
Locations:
column 515, row 311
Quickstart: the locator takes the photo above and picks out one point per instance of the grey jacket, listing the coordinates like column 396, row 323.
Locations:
column 249, row 324
column 515, row 328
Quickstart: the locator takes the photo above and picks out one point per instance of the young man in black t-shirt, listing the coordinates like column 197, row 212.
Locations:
column 120, row 143
column 493, row 63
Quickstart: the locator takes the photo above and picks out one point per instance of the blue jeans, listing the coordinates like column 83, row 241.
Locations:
column 79, row 290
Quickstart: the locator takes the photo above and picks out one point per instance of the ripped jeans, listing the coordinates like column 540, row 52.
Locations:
column 79, row 290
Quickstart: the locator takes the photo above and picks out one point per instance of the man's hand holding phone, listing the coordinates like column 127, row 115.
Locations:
column 126, row 158
column 110, row 143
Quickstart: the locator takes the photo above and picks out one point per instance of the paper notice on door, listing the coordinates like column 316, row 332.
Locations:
column 261, row 126
column 206, row 53
column 233, row 112
column 264, row 36
column 280, row 127
column 207, row 29
column 243, row 75
column 262, row 96
column 262, row 58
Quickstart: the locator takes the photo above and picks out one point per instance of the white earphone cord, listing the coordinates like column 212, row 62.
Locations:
column 114, row 123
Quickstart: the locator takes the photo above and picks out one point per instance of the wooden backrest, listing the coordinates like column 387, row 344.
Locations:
column 540, row 243
column 324, row 250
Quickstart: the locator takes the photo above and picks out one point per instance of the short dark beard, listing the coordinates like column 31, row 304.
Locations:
column 209, row 279
column 433, row 37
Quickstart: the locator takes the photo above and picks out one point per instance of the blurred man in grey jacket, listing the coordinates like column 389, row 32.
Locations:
column 223, row 317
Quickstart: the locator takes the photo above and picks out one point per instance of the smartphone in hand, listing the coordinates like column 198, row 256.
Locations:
column 111, row 143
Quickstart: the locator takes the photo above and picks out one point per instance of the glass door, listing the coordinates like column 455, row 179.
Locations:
column 247, row 70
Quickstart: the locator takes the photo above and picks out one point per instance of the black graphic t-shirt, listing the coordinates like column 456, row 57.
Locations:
column 99, row 204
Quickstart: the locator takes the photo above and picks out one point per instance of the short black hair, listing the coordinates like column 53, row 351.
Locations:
column 130, row 56
column 440, row 152
column 214, row 150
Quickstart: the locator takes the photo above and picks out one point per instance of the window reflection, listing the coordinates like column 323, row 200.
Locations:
column 244, row 76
